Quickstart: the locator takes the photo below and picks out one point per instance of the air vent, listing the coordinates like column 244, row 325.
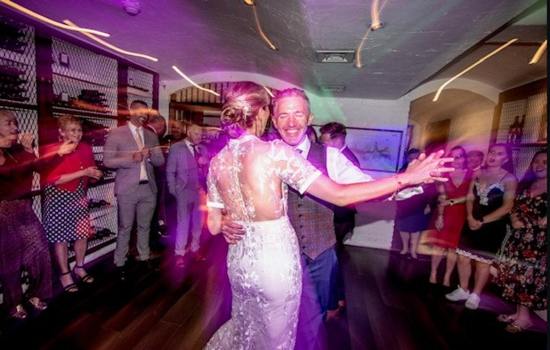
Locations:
column 335, row 56
column 335, row 89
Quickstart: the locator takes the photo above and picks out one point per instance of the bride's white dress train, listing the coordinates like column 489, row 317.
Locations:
column 264, row 267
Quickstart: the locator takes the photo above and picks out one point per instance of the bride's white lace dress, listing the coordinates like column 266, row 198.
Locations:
column 248, row 178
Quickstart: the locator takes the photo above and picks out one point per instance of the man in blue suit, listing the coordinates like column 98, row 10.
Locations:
column 182, row 176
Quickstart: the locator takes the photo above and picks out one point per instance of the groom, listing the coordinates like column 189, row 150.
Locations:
column 311, row 218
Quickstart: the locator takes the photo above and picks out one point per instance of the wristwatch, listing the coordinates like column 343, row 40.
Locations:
column 451, row 202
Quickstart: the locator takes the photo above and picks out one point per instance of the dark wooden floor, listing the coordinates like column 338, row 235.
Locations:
column 390, row 306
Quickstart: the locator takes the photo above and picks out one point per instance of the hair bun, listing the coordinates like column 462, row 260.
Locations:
column 232, row 115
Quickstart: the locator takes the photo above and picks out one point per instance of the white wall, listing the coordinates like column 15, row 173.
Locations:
column 374, row 221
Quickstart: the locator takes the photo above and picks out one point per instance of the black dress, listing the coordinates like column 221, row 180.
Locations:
column 483, row 244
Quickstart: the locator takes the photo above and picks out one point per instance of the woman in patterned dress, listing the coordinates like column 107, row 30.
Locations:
column 489, row 201
column 248, row 178
column 522, row 267
column 23, row 245
column 65, row 203
column 449, row 216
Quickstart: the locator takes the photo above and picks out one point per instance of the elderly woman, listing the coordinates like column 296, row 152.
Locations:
column 22, row 241
column 65, row 203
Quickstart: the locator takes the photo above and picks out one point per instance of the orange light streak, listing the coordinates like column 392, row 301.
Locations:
column 538, row 54
column 113, row 47
column 193, row 83
column 472, row 66
column 51, row 21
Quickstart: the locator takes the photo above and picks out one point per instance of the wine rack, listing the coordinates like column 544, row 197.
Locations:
column 522, row 118
column 74, row 78
column 83, row 80
column 139, row 86
column 17, row 62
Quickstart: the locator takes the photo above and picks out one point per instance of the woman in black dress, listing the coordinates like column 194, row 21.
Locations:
column 489, row 200
column 522, row 267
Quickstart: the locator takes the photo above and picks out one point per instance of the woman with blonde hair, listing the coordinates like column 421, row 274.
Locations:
column 65, row 213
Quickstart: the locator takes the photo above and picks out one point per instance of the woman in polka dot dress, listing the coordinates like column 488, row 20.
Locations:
column 65, row 212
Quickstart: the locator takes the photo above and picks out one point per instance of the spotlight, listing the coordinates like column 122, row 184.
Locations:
column 250, row 2
column 132, row 7
column 376, row 26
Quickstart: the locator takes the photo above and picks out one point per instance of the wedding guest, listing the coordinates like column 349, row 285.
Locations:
column 450, row 216
column 134, row 152
column 522, row 268
column 65, row 214
column 412, row 214
column 23, row 244
column 488, row 203
column 474, row 159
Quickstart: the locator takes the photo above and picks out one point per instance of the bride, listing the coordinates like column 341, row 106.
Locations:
column 248, row 179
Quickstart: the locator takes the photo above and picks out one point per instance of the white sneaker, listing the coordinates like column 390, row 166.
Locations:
column 458, row 294
column 473, row 301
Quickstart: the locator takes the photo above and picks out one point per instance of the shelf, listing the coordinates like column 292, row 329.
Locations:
column 83, row 112
column 17, row 104
column 138, row 92
column 103, row 207
column 19, row 58
column 87, row 78
column 102, row 182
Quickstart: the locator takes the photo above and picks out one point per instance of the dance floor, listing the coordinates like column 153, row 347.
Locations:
column 390, row 305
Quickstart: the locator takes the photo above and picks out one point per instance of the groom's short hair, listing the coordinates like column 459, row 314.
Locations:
column 292, row 92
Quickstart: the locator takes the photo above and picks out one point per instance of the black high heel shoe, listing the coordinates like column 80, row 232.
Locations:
column 87, row 279
column 70, row 288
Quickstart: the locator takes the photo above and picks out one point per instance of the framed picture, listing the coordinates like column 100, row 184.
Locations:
column 376, row 149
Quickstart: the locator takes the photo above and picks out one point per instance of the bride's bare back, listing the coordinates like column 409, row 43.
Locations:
column 246, row 178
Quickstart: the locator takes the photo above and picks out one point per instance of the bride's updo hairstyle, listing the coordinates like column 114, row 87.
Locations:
column 243, row 102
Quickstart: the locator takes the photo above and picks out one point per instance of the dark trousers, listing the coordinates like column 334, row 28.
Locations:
column 23, row 246
column 318, row 296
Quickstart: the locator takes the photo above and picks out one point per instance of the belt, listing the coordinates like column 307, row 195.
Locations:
column 143, row 182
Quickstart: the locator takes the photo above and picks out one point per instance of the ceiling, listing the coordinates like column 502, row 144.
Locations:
column 421, row 40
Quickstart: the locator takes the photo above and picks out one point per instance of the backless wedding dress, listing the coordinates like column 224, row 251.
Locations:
column 248, row 179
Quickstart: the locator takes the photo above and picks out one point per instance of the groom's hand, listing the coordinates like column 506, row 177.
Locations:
column 232, row 232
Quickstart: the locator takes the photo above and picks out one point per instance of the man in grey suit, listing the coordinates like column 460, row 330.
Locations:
column 182, row 176
column 133, row 151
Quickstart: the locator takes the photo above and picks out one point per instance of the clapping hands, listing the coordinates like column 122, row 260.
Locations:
column 93, row 172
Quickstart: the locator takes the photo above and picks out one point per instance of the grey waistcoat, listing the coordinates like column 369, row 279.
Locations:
column 312, row 218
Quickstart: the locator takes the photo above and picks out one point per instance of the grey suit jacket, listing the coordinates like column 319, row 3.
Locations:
column 182, row 171
column 118, row 150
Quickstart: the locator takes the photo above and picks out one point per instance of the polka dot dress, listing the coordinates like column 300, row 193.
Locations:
column 65, row 214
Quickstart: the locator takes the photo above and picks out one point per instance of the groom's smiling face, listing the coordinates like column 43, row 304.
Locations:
column 291, row 118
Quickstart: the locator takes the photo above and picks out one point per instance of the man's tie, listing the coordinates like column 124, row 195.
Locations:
column 195, row 151
column 139, row 140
